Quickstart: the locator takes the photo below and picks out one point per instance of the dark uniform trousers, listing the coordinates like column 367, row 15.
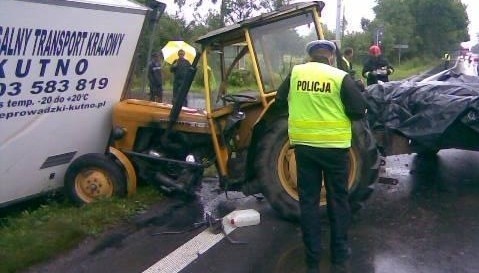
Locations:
column 311, row 163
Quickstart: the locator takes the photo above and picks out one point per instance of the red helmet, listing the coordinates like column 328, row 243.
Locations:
column 374, row 50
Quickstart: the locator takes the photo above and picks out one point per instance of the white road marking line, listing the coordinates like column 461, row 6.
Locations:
column 187, row 253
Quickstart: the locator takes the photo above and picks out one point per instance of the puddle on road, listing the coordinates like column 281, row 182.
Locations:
column 216, row 202
column 210, row 203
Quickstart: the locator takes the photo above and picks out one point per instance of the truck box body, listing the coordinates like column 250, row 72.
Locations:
column 63, row 65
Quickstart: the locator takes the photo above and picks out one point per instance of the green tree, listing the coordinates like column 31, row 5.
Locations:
column 359, row 42
column 169, row 27
column 238, row 10
column 365, row 23
column 428, row 26
column 231, row 11
column 440, row 24
column 271, row 5
column 398, row 24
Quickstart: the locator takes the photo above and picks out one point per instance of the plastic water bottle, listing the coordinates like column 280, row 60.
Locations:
column 242, row 218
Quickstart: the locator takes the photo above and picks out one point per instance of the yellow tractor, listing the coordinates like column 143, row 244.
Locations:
column 231, row 123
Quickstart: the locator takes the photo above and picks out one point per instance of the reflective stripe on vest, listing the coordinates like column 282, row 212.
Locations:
column 316, row 113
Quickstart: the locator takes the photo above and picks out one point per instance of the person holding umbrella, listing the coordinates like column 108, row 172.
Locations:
column 179, row 68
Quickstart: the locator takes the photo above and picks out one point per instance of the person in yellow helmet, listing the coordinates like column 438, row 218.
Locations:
column 322, row 100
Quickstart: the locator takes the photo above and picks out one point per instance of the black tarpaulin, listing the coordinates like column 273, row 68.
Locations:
column 422, row 111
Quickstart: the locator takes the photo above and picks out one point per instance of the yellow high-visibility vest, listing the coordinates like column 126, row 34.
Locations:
column 348, row 64
column 316, row 113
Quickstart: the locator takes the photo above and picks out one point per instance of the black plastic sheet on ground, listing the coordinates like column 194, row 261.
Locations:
column 422, row 111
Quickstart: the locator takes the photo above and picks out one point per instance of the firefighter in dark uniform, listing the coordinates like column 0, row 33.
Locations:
column 377, row 67
column 322, row 100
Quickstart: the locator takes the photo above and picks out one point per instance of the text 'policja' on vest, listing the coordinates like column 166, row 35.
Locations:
column 314, row 86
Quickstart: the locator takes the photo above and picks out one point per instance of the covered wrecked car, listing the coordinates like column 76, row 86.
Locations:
column 438, row 112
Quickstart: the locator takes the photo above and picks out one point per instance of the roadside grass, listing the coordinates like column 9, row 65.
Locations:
column 412, row 67
column 39, row 233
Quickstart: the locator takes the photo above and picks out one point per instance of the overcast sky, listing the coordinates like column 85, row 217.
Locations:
column 354, row 10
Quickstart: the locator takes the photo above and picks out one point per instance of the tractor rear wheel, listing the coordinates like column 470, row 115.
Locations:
column 276, row 168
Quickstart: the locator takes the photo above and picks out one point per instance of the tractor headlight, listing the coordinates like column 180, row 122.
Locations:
column 118, row 132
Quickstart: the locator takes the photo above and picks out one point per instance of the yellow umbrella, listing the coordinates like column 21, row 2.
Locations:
column 170, row 51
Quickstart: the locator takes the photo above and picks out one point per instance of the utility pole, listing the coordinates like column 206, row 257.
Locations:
column 338, row 22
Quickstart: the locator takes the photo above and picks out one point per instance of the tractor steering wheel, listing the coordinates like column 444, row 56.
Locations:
column 238, row 98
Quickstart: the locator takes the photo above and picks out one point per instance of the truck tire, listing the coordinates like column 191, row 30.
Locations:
column 276, row 169
column 94, row 176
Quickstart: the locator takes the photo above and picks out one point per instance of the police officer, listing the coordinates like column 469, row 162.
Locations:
column 347, row 61
column 155, row 78
column 346, row 64
column 322, row 102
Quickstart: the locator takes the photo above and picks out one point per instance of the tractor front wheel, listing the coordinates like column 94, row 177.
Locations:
column 94, row 176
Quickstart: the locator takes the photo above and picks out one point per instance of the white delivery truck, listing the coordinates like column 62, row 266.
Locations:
column 63, row 65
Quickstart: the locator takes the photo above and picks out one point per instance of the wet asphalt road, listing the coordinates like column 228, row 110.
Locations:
column 428, row 222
